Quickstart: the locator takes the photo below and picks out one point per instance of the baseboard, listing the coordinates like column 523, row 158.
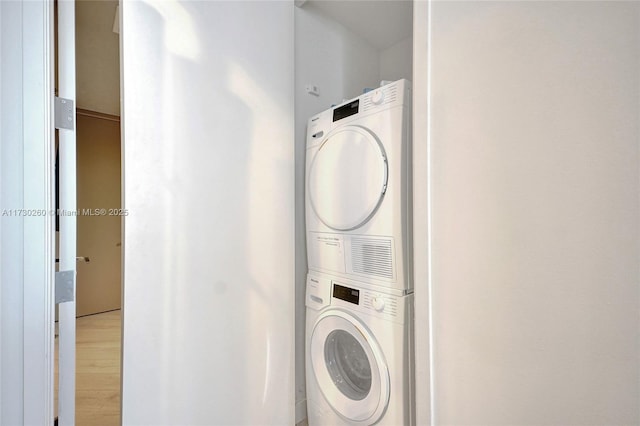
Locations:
column 301, row 410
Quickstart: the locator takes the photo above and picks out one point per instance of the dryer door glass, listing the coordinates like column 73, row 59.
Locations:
column 347, row 178
column 348, row 364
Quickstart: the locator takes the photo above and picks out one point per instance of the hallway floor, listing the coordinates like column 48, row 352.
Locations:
column 97, row 370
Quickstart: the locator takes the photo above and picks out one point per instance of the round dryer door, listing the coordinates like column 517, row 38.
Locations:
column 349, row 367
column 347, row 178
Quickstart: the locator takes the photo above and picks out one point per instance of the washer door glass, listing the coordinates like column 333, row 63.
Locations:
column 347, row 178
column 348, row 364
column 349, row 367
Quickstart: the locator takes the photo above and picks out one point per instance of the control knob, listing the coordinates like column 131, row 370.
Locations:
column 377, row 97
column 378, row 303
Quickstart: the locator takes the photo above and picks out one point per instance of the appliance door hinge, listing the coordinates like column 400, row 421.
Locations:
column 63, row 113
column 65, row 281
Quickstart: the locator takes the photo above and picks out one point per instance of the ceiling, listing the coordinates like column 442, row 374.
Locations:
column 382, row 23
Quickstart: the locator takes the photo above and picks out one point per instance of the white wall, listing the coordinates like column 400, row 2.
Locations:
column 421, row 170
column 2, row 373
column 341, row 65
column 97, row 57
column 396, row 61
column 535, row 179
column 333, row 58
column 209, row 187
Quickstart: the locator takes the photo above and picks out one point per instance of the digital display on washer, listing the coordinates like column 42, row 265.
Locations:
column 346, row 110
column 347, row 294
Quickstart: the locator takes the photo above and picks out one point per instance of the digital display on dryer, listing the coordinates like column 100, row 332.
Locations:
column 346, row 110
column 347, row 294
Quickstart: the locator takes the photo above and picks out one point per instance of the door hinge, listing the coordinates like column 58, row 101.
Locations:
column 63, row 112
column 65, row 281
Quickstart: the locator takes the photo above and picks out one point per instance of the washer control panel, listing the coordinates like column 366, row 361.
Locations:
column 369, row 301
column 382, row 303
column 324, row 291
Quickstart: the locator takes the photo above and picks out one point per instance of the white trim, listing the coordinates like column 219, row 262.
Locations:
column 121, row 33
column 1, row 207
column 67, row 201
column 38, row 249
column 27, row 237
column 11, row 311
column 421, row 214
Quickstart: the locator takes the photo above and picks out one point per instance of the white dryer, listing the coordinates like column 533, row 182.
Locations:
column 358, row 188
column 359, row 362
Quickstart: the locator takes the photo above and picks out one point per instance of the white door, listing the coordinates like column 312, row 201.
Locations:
column 349, row 367
column 67, row 203
column 208, row 267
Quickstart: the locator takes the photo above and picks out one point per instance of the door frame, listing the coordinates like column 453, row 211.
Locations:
column 28, row 320
column 36, row 310
column 425, row 410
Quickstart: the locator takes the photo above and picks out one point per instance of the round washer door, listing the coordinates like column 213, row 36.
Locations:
column 347, row 178
column 349, row 367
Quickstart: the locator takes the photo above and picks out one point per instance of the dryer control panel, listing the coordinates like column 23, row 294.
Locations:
column 384, row 95
column 388, row 96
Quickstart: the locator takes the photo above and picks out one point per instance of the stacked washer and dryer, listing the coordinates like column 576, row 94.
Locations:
column 359, row 295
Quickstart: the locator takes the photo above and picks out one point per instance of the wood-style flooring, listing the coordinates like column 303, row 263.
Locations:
column 97, row 370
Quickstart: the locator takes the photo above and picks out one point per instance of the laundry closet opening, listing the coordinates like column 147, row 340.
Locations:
column 342, row 50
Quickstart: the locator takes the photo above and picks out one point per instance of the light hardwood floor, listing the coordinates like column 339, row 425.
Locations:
column 97, row 370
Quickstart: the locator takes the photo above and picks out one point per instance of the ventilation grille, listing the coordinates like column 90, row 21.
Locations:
column 372, row 257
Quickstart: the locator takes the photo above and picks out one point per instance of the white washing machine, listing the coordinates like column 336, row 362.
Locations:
column 359, row 354
column 358, row 189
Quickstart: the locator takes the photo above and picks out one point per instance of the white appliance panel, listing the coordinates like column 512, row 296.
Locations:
column 359, row 358
column 358, row 189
